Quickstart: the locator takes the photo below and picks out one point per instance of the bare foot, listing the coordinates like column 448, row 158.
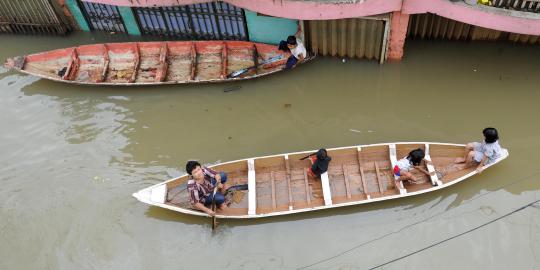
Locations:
column 459, row 160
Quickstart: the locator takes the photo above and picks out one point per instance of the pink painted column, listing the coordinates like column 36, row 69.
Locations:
column 398, row 32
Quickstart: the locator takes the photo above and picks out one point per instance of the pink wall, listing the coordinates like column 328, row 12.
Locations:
column 473, row 15
column 398, row 33
column 301, row 10
column 307, row 10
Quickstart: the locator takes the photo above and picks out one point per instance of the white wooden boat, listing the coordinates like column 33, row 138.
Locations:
column 279, row 185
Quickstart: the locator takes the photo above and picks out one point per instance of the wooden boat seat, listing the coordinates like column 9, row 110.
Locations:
column 252, row 196
column 393, row 161
column 431, row 169
column 326, row 189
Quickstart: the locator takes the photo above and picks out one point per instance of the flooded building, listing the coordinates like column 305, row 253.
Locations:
column 369, row 29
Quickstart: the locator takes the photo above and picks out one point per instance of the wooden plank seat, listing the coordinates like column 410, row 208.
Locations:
column 393, row 161
column 252, row 195
column 431, row 169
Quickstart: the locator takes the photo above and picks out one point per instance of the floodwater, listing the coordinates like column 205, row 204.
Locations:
column 71, row 156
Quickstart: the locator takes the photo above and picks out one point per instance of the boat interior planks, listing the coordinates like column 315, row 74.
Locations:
column 279, row 184
column 144, row 63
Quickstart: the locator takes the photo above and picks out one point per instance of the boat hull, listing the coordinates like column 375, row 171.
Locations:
column 279, row 185
column 153, row 63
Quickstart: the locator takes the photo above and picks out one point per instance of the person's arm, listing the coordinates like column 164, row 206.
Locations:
column 422, row 169
column 298, row 33
column 298, row 36
column 205, row 209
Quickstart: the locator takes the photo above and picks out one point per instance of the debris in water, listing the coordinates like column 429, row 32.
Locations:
column 287, row 105
column 232, row 88
column 354, row 130
column 230, row 138
column 370, row 131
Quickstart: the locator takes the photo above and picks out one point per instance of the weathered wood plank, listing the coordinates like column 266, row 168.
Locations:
column 137, row 63
column 193, row 61
column 347, row 184
column 163, row 54
column 362, row 177
column 272, row 178
column 306, row 182
column 224, row 61
column 255, row 58
column 73, row 66
column 379, row 181
column 106, row 62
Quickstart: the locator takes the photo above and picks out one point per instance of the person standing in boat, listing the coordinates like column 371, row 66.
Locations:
column 319, row 163
column 413, row 160
column 296, row 47
column 201, row 184
column 480, row 154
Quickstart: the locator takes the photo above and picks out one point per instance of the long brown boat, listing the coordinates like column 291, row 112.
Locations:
column 280, row 185
column 149, row 63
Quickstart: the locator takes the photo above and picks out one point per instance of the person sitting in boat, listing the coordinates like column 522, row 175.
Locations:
column 413, row 160
column 319, row 163
column 296, row 47
column 201, row 184
column 480, row 154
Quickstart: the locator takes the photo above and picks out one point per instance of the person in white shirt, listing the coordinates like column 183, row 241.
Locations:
column 296, row 47
column 480, row 154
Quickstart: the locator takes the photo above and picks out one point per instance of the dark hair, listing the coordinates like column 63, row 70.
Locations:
column 490, row 134
column 191, row 165
column 291, row 40
column 321, row 154
column 416, row 156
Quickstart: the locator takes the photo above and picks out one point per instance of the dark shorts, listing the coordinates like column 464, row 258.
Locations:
column 219, row 197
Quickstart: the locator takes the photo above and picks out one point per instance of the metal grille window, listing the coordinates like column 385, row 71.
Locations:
column 216, row 20
column 30, row 17
column 102, row 17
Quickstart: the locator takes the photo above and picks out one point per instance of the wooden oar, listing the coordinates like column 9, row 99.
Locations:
column 312, row 154
column 214, row 221
column 237, row 73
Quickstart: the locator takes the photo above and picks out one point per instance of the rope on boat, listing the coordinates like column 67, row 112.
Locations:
column 528, row 177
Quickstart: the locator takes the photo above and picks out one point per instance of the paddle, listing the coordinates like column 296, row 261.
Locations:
column 244, row 70
column 308, row 156
column 214, row 221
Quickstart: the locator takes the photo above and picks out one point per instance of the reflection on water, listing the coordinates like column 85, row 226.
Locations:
column 72, row 155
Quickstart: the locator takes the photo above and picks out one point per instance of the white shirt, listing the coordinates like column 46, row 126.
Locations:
column 404, row 164
column 299, row 49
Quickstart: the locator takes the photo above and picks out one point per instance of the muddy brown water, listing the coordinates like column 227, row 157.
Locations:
column 71, row 156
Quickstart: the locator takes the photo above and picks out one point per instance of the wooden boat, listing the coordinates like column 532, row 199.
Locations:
column 279, row 184
column 148, row 63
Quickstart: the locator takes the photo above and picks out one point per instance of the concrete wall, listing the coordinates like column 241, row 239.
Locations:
column 269, row 29
column 301, row 10
column 488, row 17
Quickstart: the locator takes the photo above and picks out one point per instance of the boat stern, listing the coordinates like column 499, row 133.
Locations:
column 16, row 62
